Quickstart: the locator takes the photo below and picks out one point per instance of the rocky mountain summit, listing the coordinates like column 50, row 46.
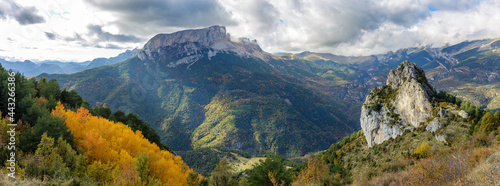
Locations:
column 188, row 46
column 403, row 103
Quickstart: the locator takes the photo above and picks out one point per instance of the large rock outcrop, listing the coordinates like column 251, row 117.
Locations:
column 186, row 47
column 403, row 103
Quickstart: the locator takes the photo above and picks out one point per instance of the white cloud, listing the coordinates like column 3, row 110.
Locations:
column 64, row 19
column 82, row 30
column 438, row 29
column 365, row 27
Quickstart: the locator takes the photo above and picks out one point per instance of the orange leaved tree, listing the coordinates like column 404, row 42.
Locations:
column 116, row 144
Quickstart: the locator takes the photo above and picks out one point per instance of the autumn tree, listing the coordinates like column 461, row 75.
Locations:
column 316, row 173
column 115, row 144
column 489, row 123
column 133, row 121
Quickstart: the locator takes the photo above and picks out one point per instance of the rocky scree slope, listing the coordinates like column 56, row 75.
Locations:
column 403, row 103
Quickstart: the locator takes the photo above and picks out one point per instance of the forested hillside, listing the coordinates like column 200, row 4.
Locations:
column 223, row 100
column 59, row 141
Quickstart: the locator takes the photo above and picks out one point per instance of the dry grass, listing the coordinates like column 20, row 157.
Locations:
column 465, row 165
column 242, row 163
column 20, row 180
column 5, row 180
column 488, row 172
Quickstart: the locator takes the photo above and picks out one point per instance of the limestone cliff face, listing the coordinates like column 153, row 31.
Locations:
column 403, row 103
column 186, row 47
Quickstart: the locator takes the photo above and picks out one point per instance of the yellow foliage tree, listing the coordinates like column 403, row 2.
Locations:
column 116, row 144
column 423, row 150
column 489, row 123
column 316, row 173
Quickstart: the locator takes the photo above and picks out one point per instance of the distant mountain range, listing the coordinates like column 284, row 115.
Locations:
column 470, row 70
column 29, row 68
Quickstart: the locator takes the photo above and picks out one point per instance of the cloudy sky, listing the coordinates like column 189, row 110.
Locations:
column 79, row 30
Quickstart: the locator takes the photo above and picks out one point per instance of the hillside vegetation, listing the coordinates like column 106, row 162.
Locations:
column 59, row 142
column 227, row 101
column 116, row 145
column 457, row 144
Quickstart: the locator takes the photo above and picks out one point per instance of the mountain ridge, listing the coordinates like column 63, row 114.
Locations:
column 185, row 46
column 217, row 98
column 453, row 68
column 29, row 68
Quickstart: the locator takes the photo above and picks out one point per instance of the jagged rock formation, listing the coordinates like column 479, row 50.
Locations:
column 188, row 46
column 403, row 103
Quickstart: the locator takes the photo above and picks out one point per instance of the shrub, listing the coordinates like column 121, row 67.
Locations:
column 423, row 150
column 376, row 106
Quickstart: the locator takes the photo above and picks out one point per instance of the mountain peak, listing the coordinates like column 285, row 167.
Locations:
column 403, row 103
column 187, row 46
column 202, row 36
column 409, row 72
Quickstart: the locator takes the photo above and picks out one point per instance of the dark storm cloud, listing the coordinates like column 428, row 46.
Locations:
column 23, row 15
column 51, row 36
column 106, row 36
column 139, row 16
